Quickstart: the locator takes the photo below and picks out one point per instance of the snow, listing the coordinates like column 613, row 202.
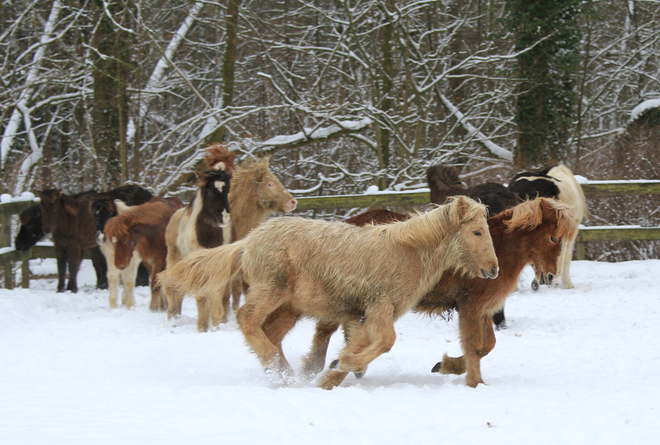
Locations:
column 319, row 133
column 641, row 108
column 574, row 366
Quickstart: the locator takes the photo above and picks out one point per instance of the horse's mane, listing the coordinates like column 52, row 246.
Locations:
column 218, row 157
column 434, row 226
column 246, row 179
column 530, row 214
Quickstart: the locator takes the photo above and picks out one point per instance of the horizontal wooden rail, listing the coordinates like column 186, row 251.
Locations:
column 592, row 189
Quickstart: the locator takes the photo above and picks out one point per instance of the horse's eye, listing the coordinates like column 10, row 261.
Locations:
column 124, row 240
column 553, row 239
column 477, row 232
column 271, row 184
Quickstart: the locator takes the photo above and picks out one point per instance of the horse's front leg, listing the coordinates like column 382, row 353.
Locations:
column 74, row 257
column 129, row 276
column 60, row 254
column 314, row 361
column 367, row 341
column 477, row 340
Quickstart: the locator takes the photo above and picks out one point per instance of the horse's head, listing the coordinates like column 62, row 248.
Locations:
column 103, row 209
column 50, row 200
column 551, row 225
column 123, row 237
column 475, row 246
column 272, row 194
column 31, row 230
column 214, row 188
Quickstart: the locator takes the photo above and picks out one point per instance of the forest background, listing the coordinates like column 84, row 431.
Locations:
column 342, row 94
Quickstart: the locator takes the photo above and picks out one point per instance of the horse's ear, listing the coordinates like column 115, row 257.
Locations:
column 462, row 207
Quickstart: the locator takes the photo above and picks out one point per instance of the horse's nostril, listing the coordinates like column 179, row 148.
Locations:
column 493, row 271
column 550, row 278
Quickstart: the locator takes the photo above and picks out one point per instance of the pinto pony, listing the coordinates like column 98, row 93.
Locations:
column 202, row 224
column 142, row 228
column 559, row 183
column 105, row 209
column 529, row 232
column 365, row 277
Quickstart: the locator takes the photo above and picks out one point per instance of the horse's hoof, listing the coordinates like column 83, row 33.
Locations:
column 535, row 285
column 437, row 367
column 359, row 375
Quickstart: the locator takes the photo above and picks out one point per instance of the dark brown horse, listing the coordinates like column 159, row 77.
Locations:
column 530, row 232
column 142, row 228
column 71, row 223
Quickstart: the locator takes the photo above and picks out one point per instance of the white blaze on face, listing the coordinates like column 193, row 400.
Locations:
column 220, row 185
column 219, row 166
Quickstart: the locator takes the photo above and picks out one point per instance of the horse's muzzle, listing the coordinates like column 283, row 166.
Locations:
column 492, row 273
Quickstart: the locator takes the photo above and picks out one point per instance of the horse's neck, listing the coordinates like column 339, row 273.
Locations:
column 511, row 248
column 246, row 209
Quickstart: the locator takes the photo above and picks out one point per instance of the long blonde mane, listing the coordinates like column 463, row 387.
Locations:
column 433, row 226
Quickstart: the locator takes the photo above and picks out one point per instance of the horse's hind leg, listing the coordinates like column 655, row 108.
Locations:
column 100, row 267
column 279, row 323
column 262, row 301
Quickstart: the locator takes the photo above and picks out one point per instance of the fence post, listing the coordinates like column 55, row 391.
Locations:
column 25, row 273
column 580, row 248
column 5, row 240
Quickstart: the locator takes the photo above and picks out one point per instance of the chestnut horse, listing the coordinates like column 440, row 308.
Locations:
column 529, row 232
column 363, row 276
column 444, row 182
column 142, row 228
column 202, row 224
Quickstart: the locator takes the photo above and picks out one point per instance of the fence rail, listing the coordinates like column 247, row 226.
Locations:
column 592, row 189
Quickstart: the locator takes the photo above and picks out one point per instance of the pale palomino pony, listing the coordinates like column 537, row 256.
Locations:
column 365, row 276
column 255, row 194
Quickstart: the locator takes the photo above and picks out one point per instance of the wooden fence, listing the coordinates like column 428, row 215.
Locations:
column 593, row 189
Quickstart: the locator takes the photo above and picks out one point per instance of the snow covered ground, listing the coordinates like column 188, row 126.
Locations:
column 577, row 366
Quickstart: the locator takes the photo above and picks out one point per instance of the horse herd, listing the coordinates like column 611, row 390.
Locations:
column 463, row 255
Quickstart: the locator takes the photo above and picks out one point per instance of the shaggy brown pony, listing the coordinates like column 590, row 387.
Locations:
column 255, row 194
column 70, row 220
column 142, row 228
column 363, row 276
column 529, row 232
column 202, row 224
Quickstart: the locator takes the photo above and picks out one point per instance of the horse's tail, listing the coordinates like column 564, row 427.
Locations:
column 205, row 272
